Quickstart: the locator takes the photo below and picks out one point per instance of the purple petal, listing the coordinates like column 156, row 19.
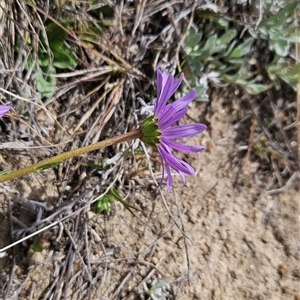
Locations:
column 185, row 100
column 177, row 106
column 163, row 170
column 162, row 98
column 181, row 147
column 170, row 119
column 174, row 162
column 161, row 79
column 4, row 109
column 179, row 165
column 169, row 179
column 183, row 131
column 174, row 86
column 166, row 88
column 166, row 114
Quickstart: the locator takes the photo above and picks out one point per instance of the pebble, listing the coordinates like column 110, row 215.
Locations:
column 282, row 269
column 38, row 257
column 154, row 260
column 90, row 214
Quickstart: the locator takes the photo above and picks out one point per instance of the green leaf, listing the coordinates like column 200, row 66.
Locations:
column 202, row 55
column 291, row 34
column 89, row 32
column 196, row 66
column 43, row 59
column 210, row 41
column 64, row 59
column 281, row 47
column 230, row 78
column 47, row 166
column 119, row 198
column 244, row 75
column 193, row 38
column 229, row 49
column 159, row 284
column 264, row 32
column 201, row 93
column 223, row 23
column 275, row 33
column 228, row 36
column 267, row 4
column 44, row 86
column 56, row 36
column 261, row 149
column 255, row 88
column 217, row 47
column 215, row 64
column 279, row 19
column 37, row 245
column 292, row 76
column 237, row 78
column 241, row 79
column 236, row 61
column 283, row 69
column 242, row 49
column 103, row 205
column 46, row 83
column 5, row 172
column 106, row 11
column 253, row 33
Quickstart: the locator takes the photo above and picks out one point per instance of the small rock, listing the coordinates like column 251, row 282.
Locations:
column 90, row 215
column 154, row 260
column 282, row 269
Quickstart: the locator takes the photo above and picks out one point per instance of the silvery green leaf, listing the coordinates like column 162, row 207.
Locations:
column 242, row 49
column 255, row 88
column 281, row 47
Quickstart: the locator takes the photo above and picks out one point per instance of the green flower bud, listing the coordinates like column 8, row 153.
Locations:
column 149, row 131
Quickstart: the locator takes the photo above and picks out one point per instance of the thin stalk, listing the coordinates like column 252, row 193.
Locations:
column 55, row 160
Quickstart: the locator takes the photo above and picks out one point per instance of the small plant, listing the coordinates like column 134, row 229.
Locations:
column 38, row 245
column 281, row 36
column 223, row 57
column 104, row 204
column 217, row 58
column 63, row 57
column 156, row 290
column 276, row 31
column 52, row 54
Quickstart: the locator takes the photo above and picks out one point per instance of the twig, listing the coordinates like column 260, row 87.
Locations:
column 261, row 13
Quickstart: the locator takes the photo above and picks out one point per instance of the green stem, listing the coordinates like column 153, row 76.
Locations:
column 53, row 161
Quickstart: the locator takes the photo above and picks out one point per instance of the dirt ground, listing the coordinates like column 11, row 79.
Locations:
column 239, row 241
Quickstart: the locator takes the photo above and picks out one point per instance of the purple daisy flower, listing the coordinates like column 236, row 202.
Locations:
column 159, row 130
column 4, row 109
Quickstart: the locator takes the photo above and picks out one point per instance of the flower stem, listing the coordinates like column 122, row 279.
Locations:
column 53, row 161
